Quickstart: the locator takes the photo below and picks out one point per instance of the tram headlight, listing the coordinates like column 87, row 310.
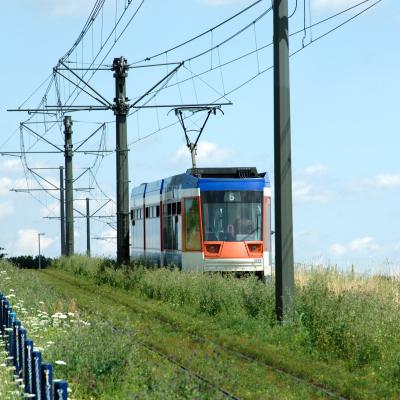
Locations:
column 213, row 248
column 254, row 247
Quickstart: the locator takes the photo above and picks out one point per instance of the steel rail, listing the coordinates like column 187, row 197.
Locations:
column 317, row 387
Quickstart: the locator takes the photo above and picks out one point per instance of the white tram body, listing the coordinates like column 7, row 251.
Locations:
column 207, row 219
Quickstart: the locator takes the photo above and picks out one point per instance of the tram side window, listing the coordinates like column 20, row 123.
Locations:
column 170, row 233
column 192, row 225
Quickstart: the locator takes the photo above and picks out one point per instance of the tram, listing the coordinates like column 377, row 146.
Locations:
column 207, row 219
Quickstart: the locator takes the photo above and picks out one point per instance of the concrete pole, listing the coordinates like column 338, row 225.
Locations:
column 87, row 227
column 62, row 211
column 121, row 108
column 284, row 268
column 40, row 256
column 39, row 250
column 69, row 203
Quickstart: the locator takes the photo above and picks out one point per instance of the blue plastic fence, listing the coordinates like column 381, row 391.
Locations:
column 37, row 376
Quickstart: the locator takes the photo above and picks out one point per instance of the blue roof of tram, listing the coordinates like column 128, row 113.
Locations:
column 216, row 184
column 188, row 181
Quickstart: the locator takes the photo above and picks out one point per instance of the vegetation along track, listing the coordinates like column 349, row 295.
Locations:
column 219, row 366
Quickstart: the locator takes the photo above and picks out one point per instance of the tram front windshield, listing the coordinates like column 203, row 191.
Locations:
column 232, row 216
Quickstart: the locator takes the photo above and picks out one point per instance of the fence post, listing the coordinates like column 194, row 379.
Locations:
column 28, row 366
column 60, row 390
column 47, row 382
column 37, row 377
column 21, row 342
column 37, row 374
column 2, row 302
column 5, row 323
column 16, row 328
column 11, row 319
column 1, row 313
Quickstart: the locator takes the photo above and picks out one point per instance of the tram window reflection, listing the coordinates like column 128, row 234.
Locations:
column 232, row 216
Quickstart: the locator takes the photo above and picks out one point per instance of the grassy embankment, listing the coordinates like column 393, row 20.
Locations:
column 99, row 361
column 343, row 336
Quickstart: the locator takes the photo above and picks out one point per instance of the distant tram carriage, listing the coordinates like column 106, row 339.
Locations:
column 209, row 219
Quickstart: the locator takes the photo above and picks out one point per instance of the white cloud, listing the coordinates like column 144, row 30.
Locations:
column 107, row 245
column 361, row 243
column 388, row 181
column 6, row 209
column 316, row 170
column 11, row 165
column 5, row 185
column 338, row 249
column 20, row 184
column 305, row 192
column 208, row 153
column 364, row 244
column 27, row 242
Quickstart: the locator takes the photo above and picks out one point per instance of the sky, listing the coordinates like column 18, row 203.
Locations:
column 344, row 116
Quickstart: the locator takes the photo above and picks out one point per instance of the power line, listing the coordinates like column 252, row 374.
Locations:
column 210, row 30
column 249, row 80
column 257, row 50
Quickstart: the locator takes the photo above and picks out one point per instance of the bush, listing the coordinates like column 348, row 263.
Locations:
column 29, row 262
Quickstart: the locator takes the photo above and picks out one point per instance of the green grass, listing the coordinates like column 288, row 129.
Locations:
column 97, row 360
column 343, row 334
column 340, row 319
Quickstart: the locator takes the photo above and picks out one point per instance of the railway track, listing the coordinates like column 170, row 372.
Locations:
column 130, row 304
column 193, row 374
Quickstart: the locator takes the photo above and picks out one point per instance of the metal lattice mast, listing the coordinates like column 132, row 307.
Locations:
column 121, row 108
column 69, row 182
column 284, row 268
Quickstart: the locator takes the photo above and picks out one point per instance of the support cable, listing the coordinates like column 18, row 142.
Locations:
column 248, row 81
column 201, row 34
